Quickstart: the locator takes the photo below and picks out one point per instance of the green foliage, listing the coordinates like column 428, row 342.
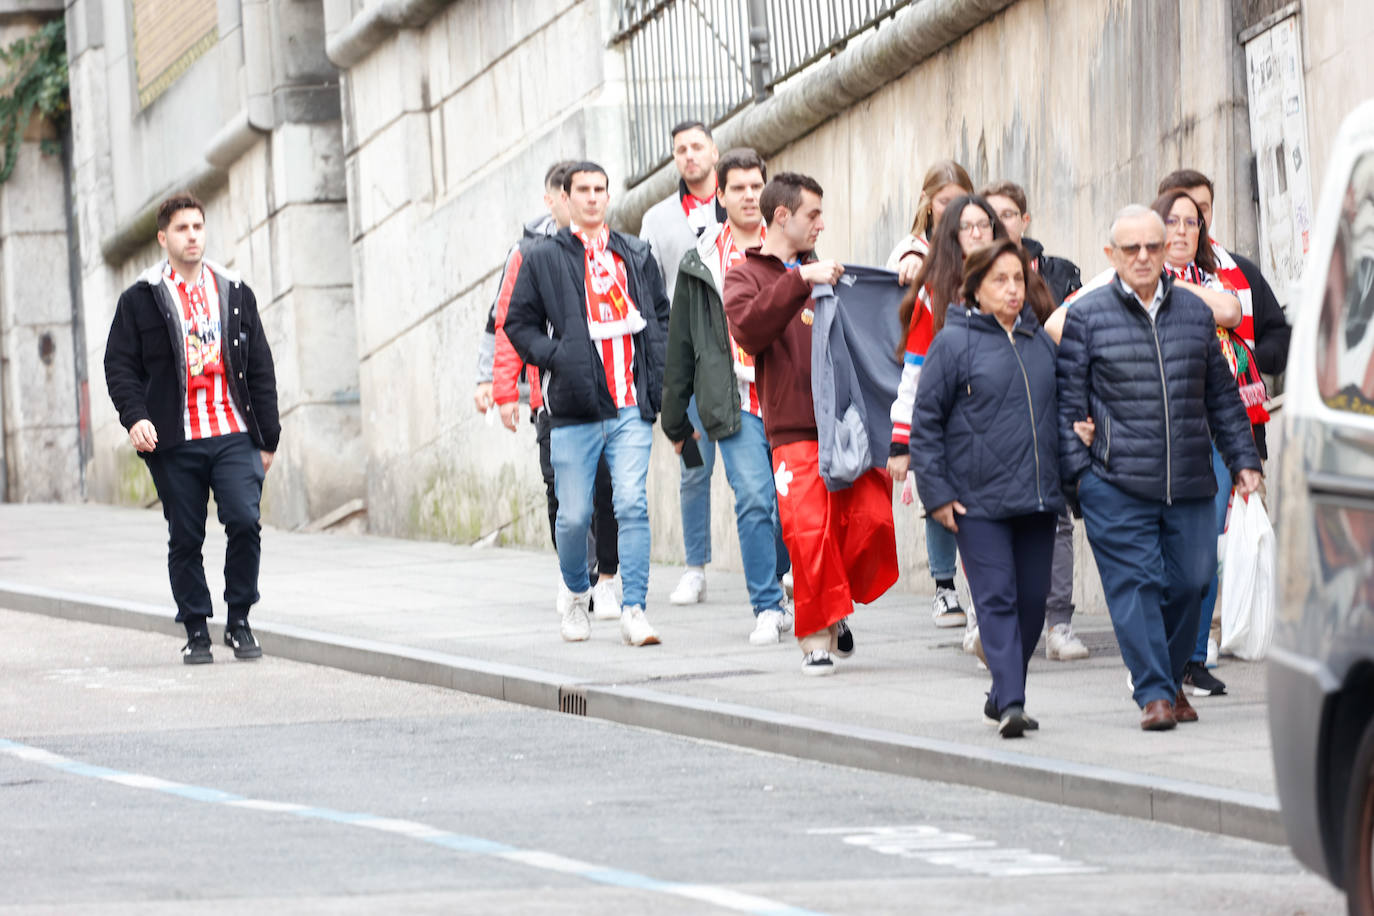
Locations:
column 33, row 77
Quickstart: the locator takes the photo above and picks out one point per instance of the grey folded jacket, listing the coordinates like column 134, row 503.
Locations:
column 855, row 371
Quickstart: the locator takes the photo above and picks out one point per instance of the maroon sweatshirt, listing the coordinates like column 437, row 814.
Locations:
column 764, row 301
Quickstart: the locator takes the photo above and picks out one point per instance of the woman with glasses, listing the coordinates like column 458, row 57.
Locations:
column 1189, row 259
column 985, row 451
column 968, row 223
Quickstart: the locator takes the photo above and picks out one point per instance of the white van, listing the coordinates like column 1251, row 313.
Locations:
column 1321, row 672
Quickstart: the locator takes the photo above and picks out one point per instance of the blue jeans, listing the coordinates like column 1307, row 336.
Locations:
column 1209, row 599
column 575, row 452
column 749, row 468
column 1154, row 560
column 694, row 493
column 941, row 550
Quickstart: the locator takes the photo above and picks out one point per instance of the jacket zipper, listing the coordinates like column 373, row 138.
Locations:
column 1107, row 454
column 1035, row 436
column 1168, row 435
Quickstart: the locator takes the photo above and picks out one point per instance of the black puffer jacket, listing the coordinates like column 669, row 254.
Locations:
column 1060, row 274
column 1157, row 392
column 547, row 324
column 984, row 429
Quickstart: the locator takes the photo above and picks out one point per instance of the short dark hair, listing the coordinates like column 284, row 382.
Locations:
column 980, row 261
column 680, row 126
column 1008, row 189
column 181, row 200
column 785, row 190
column 553, row 178
column 741, row 157
column 583, row 166
column 1183, row 180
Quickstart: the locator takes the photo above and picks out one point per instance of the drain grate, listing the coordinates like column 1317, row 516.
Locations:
column 572, row 701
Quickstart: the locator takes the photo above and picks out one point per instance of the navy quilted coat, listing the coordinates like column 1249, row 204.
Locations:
column 985, row 427
column 1158, row 393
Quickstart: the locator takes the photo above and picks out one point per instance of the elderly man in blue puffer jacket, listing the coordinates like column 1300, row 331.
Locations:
column 1140, row 357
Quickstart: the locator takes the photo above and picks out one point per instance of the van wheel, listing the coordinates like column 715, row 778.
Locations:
column 1359, row 830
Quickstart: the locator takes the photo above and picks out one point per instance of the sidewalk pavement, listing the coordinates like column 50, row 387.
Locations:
column 483, row 620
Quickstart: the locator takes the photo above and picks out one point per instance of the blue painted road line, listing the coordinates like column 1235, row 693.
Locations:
column 472, row 845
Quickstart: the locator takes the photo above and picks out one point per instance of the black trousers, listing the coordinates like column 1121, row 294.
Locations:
column 231, row 466
column 1007, row 562
column 605, row 533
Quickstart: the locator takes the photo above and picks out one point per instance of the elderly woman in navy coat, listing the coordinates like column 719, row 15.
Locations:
column 984, row 446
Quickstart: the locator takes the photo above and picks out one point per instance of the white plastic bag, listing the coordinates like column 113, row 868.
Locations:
column 1247, row 581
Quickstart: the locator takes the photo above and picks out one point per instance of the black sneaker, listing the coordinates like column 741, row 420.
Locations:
column 844, row 640
column 241, row 639
column 1201, row 682
column 197, row 650
column 990, row 717
column 1012, row 723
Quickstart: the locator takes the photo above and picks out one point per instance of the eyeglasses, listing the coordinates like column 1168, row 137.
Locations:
column 1188, row 221
column 1007, row 216
column 1132, row 251
column 982, row 225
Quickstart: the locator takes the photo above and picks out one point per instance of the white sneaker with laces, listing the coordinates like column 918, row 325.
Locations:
column 817, row 664
column 606, row 600
column 635, row 629
column 769, row 627
column 1213, row 650
column 946, row 610
column 1062, row 645
column 691, row 588
column 575, row 623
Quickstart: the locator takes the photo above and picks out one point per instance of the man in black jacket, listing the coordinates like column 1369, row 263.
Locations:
column 189, row 370
column 589, row 310
column 1140, row 358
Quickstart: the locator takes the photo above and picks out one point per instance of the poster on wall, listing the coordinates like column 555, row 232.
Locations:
column 1278, row 138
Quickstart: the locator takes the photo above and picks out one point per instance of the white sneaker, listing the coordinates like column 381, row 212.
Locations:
column 946, row 610
column 1062, row 645
column 1213, row 650
column 769, row 627
column 635, row 629
column 606, row 600
column 817, row 664
column 575, row 625
column 691, row 588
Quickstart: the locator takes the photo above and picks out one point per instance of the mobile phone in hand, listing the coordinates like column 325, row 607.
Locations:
column 691, row 453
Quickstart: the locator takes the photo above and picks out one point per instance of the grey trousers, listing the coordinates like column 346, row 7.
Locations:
column 1059, row 605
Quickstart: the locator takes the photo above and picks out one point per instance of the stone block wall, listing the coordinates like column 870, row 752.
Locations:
column 38, row 360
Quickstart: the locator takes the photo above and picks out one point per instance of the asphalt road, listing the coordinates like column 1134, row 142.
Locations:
column 130, row 783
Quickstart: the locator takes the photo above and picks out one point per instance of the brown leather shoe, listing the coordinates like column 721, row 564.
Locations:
column 1158, row 716
column 1183, row 710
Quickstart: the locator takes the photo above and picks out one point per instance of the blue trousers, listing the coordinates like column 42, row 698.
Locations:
column 749, row 468
column 575, row 452
column 694, row 495
column 1008, row 566
column 1154, row 560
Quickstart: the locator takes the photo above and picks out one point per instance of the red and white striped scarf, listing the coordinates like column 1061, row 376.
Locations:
column 1230, row 274
column 1238, row 351
column 730, row 254
column 612, row 318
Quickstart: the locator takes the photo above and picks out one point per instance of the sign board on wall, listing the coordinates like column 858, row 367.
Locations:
column 1278, row 137
column 168, row 36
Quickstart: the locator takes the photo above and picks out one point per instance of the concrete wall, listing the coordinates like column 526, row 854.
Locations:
column 1337, row 36
column 38, row 373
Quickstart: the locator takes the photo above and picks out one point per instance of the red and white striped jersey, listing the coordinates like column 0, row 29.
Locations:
column 210, row 409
